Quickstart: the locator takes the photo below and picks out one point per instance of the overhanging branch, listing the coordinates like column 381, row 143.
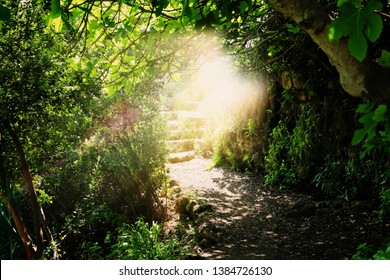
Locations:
column 359, row 79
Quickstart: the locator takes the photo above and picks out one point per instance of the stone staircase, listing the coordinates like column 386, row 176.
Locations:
column 186, row 129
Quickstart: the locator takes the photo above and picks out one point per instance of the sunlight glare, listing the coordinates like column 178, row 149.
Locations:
column 223, row 89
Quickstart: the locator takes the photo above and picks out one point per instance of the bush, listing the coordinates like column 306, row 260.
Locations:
column 143, row 242
column 238, row 138
column 112, row 177
column 291, row 152
column 367, row 252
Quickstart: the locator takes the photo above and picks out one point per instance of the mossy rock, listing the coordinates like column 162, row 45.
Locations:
column 181, row 205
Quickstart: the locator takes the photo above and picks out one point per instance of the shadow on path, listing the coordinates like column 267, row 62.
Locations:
column 253, row 222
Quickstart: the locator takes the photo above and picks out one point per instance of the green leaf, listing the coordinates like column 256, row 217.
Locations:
column 5, row 13
column 374, row 5
column 55, row 8
column 186, row 8
column 384, row 60
column 365, row 108
column 385, row 195
column 357, row 46
column 345, row 24
column 371, row 132
column 342, row 2
column 367, row 119
column 380, row 113
column 382, row 255
column 358, row 136
column 243, row 7
column 293, row 29
column 161, row 5
column 374, row 26
column 359, row 23
column 93, row 25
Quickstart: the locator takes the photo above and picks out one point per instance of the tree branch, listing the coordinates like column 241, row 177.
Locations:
column 359, row 79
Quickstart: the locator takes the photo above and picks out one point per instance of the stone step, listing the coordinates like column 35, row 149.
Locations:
column 173, row 124
column 177, row 134
column 186, row 123
column 203, row 148
column 180, row 145
column 192, row 123
column 169, row 115
column 181, row 157
column 189, row 105
column 173, row 115
column 190, row 114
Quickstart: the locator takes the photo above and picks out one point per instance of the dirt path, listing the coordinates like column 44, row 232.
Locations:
column 252, row 222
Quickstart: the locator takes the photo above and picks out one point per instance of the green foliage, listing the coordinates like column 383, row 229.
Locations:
column 56, row 91
column 143, row 242
column 363, row 252
column 384, row 60
column 130, row 170
column 375, row 134
column 5, row 13
column 55, row 102
column 234, row 144
column 385, row 196
column 358, row 23
column 275, row 163
column 113, row 177
column 293, row 28
column 290, row 153
column 55, row 8
column 348, row 178
column 10, row 245
column 367, row 252
column 383, row 254
column 43, row 197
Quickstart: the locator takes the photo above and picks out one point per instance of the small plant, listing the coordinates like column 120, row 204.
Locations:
column 291, row 151
column 363, row 252
column 366, row 252
column 143, row 242
column 375, row 134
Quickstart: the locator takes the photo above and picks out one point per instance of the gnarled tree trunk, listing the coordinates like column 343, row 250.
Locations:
column 360, row 79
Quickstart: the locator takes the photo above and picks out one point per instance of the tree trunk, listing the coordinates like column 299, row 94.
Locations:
column 40, row 225
column 4, row 192
column 360, row 79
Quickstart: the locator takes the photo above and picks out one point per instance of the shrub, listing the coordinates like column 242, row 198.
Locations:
column 143, row 242
column 291, row 152
column 367, row 252
column 112, row 177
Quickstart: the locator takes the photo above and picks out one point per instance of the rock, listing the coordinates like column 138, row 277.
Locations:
column 176, row 189
column 174, row 183
column 181, row 205
column 199, row 209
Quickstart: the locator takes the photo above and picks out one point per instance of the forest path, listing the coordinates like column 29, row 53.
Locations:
column 252, row 222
